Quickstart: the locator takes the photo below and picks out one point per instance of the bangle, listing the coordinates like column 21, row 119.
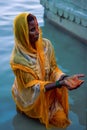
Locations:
column 58, row 84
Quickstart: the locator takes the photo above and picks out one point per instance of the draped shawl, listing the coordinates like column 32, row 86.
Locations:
column 40, row 108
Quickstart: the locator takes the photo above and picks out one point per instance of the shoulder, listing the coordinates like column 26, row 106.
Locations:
column 48, row 47
column 47, row 43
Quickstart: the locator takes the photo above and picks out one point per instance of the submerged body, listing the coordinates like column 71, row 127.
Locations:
column 34, row 65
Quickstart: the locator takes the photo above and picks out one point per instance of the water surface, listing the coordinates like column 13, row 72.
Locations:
column 71, row 58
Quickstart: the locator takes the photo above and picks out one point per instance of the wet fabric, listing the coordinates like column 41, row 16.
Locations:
column 34, row 69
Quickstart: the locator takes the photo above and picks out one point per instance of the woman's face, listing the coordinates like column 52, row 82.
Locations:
column 33, row 31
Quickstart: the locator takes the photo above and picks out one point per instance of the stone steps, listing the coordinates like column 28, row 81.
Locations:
column 68, row 15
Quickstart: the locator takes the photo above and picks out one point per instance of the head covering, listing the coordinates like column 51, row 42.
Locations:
column 21, row 33
column 22, row 42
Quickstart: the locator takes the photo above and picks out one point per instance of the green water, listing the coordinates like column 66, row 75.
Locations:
column 71, row 57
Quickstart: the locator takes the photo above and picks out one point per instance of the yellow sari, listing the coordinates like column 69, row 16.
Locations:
column 34, row 69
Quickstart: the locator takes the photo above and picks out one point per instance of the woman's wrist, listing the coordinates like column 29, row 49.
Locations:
column 58, row 84
column 63, row 77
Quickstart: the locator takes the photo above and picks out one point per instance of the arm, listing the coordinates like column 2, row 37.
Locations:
column 25, row 79
column 56, row 84
column 72, row 82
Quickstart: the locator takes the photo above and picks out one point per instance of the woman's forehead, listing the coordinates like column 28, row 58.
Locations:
column 33, row 22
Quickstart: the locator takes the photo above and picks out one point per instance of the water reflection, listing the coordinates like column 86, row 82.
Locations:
column 22, row 122
column 75, row 122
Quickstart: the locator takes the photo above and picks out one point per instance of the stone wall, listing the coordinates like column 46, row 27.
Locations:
column 79, row 3
column 70, row 14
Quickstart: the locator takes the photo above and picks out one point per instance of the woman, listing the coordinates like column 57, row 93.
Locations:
column 40, row 89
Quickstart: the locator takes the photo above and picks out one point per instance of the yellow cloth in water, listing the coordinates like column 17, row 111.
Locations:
column 33, row 67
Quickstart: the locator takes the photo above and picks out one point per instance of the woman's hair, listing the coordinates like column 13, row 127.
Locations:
column 30, row 17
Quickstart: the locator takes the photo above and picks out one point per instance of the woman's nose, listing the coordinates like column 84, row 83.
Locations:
column 37, row 31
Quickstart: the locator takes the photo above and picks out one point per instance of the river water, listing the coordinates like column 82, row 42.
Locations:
column 71, row 55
